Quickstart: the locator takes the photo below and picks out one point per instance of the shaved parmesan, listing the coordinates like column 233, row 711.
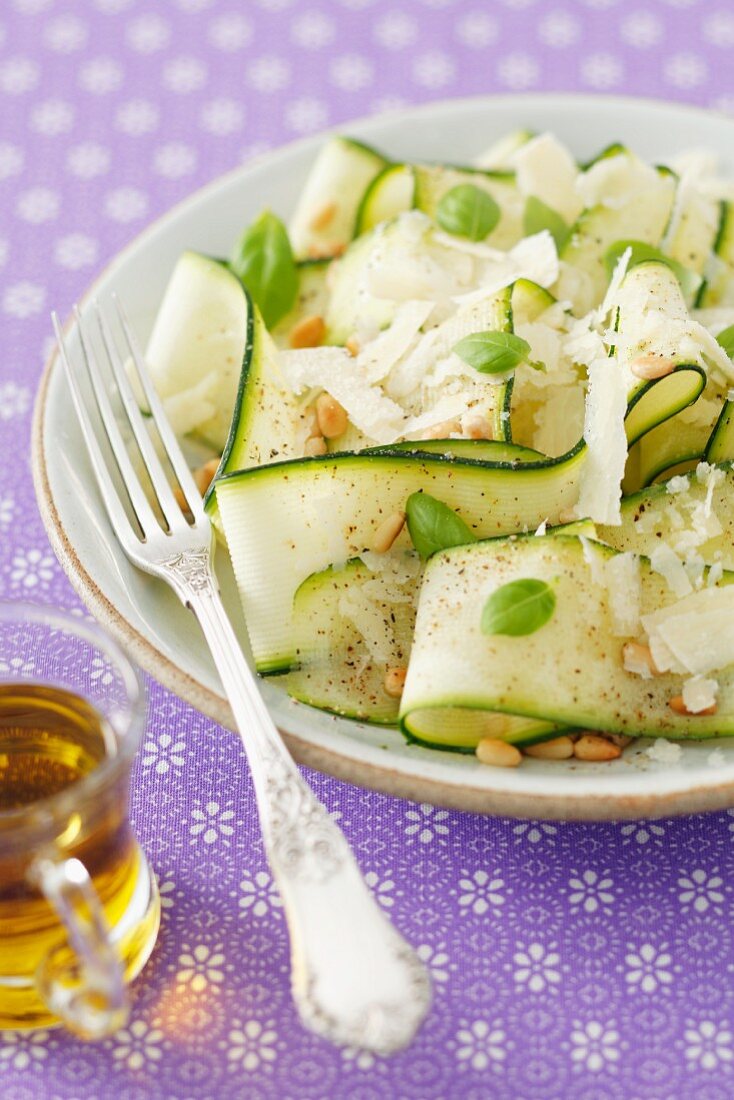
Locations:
column 335, row 371
column 622, row 577
column 546, row 169
column 699, row 694
column 663, row 751
column 694, row 635
column 534, row 258
column 601, row 478
column 679, row 484
column 619, row 575
column 380, row 355
column 612, row 294
column 665, row 561
column 614, row 181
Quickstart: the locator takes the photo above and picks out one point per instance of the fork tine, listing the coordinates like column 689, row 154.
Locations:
column 168, row 438
column 158, row 477
column 138, row 498
column 115, row 510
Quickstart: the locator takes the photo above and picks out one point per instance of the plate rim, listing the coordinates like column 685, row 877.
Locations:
column 387, row 779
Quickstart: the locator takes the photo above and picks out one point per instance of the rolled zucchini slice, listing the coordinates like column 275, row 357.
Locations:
column 718, row 289
column 199, row 347
column 433, row 181
column 286, row 521
column 351, row 625
column 568, row 671
column 638, row 213
column 324, row 220
column 693, row 512
column 311, row 298
column 389, row 194
column 720, row 446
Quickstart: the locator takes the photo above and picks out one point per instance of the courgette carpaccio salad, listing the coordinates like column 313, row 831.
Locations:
column 475, row 425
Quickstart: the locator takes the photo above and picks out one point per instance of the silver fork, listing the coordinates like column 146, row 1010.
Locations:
column 354, row 978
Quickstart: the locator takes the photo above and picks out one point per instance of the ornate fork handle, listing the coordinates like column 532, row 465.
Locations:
column 355, row 980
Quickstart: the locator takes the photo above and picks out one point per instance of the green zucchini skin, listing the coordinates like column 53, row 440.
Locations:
column 391, row 192
column 720, row 446
column 718, row 287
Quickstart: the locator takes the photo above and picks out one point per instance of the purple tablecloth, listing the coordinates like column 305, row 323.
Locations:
column 569, row 961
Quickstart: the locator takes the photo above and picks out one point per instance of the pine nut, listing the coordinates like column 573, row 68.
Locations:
column 395, row 681
column 387, row 532
column 325, row 251
column 677, row 705
column 567, row 515
column 651, row 366
column 637, row 658
column 590, row 746
column 314, row 446
column 559, row 748
column 205, row 475
column 476, row 427
column 308, row 332
column 331, row 416
column 501, row 754
column 323, row 216
column 442, row 430
column 352, row 345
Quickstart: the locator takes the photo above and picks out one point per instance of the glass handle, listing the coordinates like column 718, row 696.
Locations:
column 82, row 982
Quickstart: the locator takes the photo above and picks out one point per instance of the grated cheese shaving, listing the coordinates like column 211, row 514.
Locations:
column 622, row 575
column 379, row 356
column 601, row 478
column 694, row 635
column 699, row 693
column 335, row 371
column 665, row 561
column 545, row 168
column 534, row 258
column 679, row 484
column 663, row 751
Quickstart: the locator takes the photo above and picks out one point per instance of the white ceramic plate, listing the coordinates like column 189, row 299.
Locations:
column 165, row 639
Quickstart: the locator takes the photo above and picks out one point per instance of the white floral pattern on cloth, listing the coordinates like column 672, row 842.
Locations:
column 589, row 962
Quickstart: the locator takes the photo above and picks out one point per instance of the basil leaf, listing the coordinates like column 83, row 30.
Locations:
column 433, row 526
column 264, row 262
column 467, row 211
column 518, row 608
column 726, row 339
column 493, row 352
column 641, row 252
column 538, row 217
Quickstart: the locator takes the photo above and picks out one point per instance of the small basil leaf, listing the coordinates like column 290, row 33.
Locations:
column 493, row 352
column 433, row 526
column 538, row 217
column 641, row 252
column 518, row 608
column 726, row 339
column 467, row 211
column 264, row 262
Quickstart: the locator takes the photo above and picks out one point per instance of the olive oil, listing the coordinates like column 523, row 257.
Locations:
column 61, row 795
column 49, row 739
